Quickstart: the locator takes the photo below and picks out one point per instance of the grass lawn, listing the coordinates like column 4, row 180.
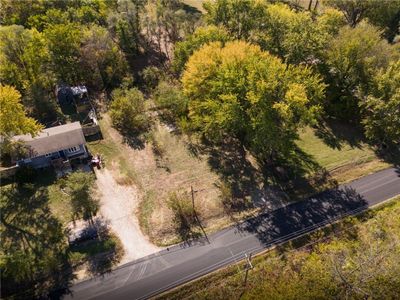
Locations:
column 299, row 266
column 345, row 164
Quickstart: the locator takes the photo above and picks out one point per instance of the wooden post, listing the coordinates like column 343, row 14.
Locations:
column 195, row 214
column 248, row 267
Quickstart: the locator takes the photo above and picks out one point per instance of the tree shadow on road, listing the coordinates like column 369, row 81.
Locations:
column 301, row 217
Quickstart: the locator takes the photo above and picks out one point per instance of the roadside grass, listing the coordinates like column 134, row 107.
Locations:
column 345, row 162
column 273, row 266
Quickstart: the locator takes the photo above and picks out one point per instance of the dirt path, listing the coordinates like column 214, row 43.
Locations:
column 118, row 206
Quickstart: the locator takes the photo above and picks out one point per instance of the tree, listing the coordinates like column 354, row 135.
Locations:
column 353, row 10
column 353, row 58
column 151, row 76
column 169, row 98
column 239, row 18
column 63, row 41
column 13, row 119
column 384, row 14
column 79, row 185
column 103, row 61
column 381, row 108
column 245, row 93
column 128, row 111
column 166, row 22
column 33, row 242
column 124, row 24
column 25, row 64
column 203, row 35
column 331, row 21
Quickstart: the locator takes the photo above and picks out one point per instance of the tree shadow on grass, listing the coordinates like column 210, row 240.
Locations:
column 229, row 161
column 298, row 175
column 101, row 252
column 27, row 220
column 335, row 134
column 390, row 154
column 287, row 179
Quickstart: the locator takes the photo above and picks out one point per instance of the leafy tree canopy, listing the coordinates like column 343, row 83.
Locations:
column 13, row 119
column 381, row 109
column 354, row 57
column 240, row 91
column 202, row 35
column 127, row 111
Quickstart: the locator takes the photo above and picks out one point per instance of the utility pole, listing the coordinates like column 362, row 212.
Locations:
column 195, row 214
column 248, row 267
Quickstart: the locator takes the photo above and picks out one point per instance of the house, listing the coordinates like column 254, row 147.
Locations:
column 58, row 146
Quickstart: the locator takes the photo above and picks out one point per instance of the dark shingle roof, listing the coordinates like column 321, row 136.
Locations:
column 54, row 139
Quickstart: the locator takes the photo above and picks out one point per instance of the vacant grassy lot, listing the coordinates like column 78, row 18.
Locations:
column 166, row 163
column 159, row 172
column 308, row 271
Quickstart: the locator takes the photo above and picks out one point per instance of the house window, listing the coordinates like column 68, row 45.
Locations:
column 73, row 149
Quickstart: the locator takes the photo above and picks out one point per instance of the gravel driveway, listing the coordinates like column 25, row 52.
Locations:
column 118, row 206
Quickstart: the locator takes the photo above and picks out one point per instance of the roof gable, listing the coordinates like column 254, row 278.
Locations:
column 54, row 139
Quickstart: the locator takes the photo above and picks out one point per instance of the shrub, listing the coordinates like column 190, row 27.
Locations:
column 170, row 100
column 127, row 111
column 182, row 208
column 151, row 77
column 25, row 174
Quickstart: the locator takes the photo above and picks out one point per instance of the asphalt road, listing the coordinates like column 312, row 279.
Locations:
column 159, row 272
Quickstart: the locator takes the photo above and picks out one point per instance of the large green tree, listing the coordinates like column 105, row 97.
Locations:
column 381, row 108
column 203, row 35
column 165, row 22
column 383, row 13
column 239, row 17
column 353, row 59
column 100, row 56
column 128, row 111
column 25, row 63
column 242, row 92
column 63, row 41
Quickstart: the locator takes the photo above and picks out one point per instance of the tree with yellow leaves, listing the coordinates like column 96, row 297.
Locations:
column 13, row 119
column 243, row 92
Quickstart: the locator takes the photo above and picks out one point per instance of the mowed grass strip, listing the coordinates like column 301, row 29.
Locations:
column 346, row 162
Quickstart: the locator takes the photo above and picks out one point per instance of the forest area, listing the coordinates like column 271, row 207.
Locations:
column 247, row 101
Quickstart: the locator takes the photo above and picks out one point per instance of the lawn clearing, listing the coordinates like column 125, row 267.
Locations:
column 345, row 164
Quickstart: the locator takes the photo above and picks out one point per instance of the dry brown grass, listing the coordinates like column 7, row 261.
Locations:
column 176, row 170
column 156, row 177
